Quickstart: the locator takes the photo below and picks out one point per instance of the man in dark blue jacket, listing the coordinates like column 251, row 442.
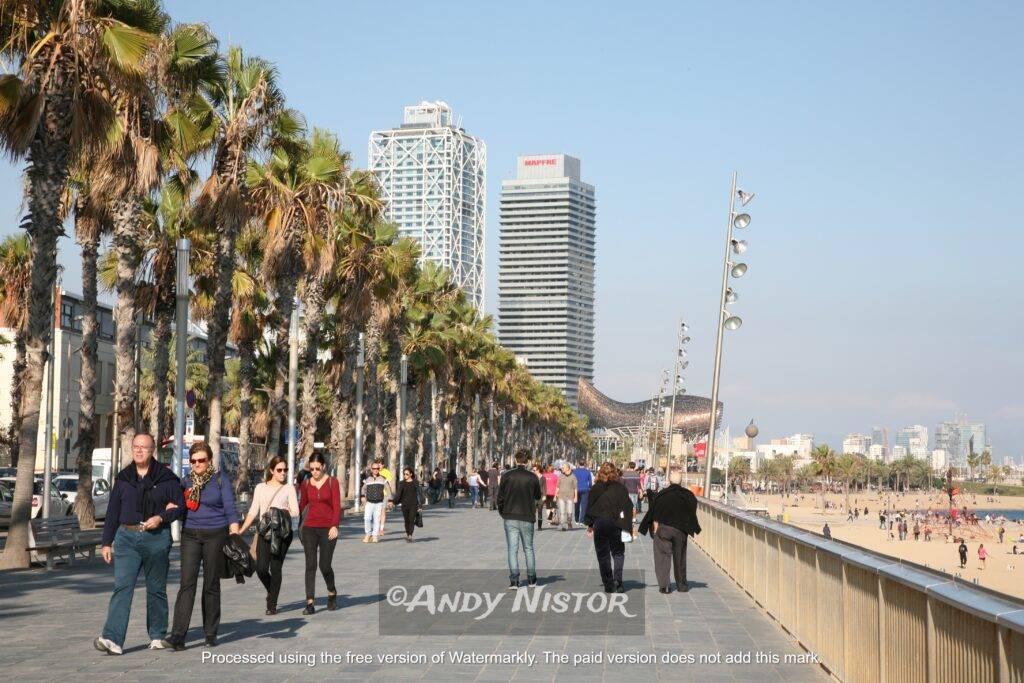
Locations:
column 137, row 537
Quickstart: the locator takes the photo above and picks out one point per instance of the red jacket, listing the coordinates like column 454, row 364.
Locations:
column 324, row 503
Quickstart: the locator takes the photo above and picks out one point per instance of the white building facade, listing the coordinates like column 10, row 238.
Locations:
column 546, row 270
column 857, row 443
column 433, row 176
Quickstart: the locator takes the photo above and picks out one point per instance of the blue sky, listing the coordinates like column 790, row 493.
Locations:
column 883, row 140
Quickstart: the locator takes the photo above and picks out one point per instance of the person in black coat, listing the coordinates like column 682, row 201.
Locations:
column 670, row 518
column 407, row 494
column 609, row 516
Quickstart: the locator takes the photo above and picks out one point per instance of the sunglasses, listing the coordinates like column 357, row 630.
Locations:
column 375, row 469
column 196, row 461
column 315, row 469
column 280, row 469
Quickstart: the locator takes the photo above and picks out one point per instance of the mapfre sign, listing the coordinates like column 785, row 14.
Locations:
column 540, row 162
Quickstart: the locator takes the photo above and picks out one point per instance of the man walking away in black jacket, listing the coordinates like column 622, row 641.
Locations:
column 493, row 476
column 671, row 517
column 518, row 497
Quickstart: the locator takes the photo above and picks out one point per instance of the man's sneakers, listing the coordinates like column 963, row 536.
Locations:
column 513, row 584
column 159, row 644
column 104, row 645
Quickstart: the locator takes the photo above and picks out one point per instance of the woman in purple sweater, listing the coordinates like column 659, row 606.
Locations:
column 210, row 516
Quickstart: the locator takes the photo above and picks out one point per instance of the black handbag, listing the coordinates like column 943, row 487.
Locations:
column 419, row 519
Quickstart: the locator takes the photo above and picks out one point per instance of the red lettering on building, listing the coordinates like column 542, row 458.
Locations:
column 540, row 162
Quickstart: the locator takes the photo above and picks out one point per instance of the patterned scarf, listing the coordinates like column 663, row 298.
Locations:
column 198, row 482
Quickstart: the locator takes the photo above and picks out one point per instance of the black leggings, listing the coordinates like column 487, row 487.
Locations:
column 314, row 541
column 409, row 514
column 268, row 567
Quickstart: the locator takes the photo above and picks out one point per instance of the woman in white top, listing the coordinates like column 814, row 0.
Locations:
column 273, row 493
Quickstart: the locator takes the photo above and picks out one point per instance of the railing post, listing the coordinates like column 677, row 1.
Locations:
column 881, row 629
column 929, row 641
column 1003, row 660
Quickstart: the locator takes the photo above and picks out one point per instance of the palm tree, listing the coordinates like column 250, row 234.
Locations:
column 91, row 223
column 824, row 460
column 15, row 272
column 59, row 104
column 849, row 466
column 244, row 106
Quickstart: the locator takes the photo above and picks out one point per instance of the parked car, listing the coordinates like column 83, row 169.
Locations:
column 6, row 495
column 59, row 506
column 67, row 484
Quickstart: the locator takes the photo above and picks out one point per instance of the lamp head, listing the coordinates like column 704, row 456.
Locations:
column 733, row 322
column 739, row 270
column 744, row 197
column 741, row 220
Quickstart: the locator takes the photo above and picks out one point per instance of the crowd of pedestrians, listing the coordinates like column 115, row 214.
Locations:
column 147, row 497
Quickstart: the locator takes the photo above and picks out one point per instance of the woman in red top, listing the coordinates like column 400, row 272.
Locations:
column 550, row 489
column 321, row 500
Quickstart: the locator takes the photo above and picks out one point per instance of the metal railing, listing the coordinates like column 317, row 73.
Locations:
column 866, row 616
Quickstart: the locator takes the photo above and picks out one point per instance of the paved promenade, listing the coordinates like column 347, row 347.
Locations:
column 49, row 619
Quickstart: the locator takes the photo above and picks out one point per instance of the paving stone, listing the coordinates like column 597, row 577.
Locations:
column 60, row 612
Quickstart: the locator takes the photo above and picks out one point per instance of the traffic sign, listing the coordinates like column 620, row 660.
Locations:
column 190, row 398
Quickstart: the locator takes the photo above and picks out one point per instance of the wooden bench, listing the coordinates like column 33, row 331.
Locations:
column 61, row 537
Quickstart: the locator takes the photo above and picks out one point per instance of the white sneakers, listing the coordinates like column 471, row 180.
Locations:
column 111, row 648
column 108, row 646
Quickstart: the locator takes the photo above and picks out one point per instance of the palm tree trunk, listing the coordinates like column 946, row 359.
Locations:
column 47, row 173
column 85, row 508
column 246, row 374
column 312, row 323
column 18, row 369
column 164, row 314
column 285, row 302
column 127, row 246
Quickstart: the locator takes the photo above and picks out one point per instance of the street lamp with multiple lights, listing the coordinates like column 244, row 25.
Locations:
column 677, row 380
column 726, row 321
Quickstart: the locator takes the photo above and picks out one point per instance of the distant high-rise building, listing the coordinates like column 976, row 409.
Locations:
column 546, row 270
column 880, row 437
column 919, row 432
column 877, row 452
column 940, row 459
column 857, row 443
column 433, row 176
column 898, row 453
column 958, row 437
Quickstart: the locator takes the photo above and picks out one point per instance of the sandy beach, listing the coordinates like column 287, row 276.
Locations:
column 1003, row 572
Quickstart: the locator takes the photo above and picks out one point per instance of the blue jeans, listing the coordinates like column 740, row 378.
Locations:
column 134, row 552
column 371, row 518
column 581, row 505
column 474, row 491
column 517, row 532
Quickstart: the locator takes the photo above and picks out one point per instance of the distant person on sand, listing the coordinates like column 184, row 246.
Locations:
column 963, row 553
column 826, row 532
column 982, row 555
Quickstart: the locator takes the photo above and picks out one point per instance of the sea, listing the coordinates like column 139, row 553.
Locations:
column 1012, row 515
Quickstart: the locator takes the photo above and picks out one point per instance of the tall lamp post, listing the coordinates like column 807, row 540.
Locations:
column 659, row 418
column 360, row 368
column 183, row 250
column 403, row 381
column 725, row 320
column 677, row 380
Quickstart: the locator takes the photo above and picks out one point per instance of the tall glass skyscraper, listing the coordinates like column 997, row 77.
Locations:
column 433, row 176
column 546, row 270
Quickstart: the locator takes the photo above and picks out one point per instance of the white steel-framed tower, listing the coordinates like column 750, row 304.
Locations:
column 546, row 271
column 433, row 176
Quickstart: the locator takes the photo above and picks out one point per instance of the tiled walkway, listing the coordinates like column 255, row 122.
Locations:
column 49, row 619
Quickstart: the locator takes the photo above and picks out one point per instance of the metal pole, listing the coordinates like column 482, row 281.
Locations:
column 404, row 380
column 433, row 424
column 675, row 390
column 659, row 416
column 138, row 373
column 48, row 446
column 181, row 361
column 360, row 368
column 710, row 453
column 476, row 433
column 293, row 386
column 490, row 430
